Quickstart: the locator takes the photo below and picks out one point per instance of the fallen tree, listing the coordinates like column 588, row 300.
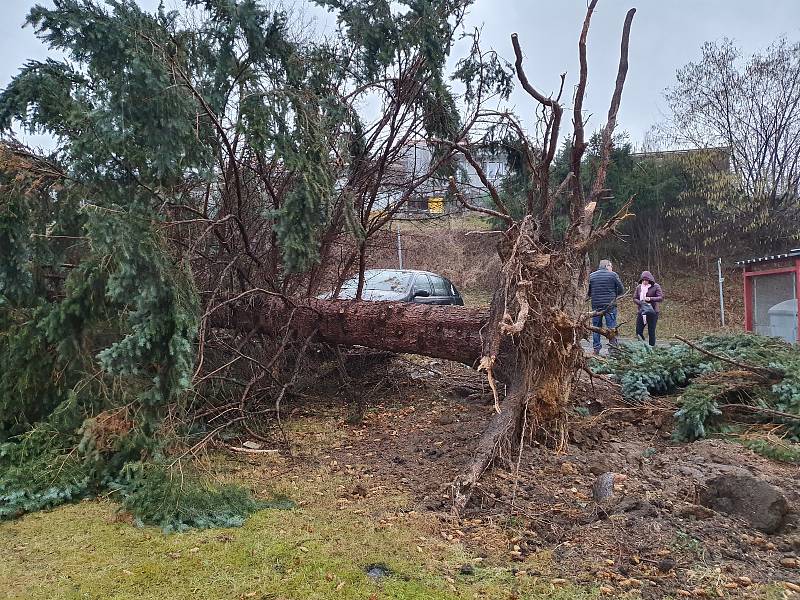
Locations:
column 212, row 174
column 452, row 333
column 201, row 154
column 751, row 376
column 531, row 335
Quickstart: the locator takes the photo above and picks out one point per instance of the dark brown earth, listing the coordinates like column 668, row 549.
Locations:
column 421, row 422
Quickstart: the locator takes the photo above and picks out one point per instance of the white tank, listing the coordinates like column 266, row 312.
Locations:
column 783, row 320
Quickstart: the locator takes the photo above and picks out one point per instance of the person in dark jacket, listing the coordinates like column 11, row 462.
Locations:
column 605, row 287
column 648, row 296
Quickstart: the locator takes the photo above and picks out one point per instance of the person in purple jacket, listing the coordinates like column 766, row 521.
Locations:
column 648, row 296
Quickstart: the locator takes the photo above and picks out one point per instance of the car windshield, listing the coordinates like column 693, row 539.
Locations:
column 384, row 281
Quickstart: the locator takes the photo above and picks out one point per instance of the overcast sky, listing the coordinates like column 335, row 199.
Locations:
column 665, row 36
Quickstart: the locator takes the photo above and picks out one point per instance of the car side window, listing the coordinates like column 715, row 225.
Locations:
column 421, row 283
column 452, row 288
column 441, row 287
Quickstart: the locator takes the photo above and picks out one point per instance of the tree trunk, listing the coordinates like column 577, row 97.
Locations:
column 539, row 311
column 496, row 441
column 530, row 339
column 449, row 332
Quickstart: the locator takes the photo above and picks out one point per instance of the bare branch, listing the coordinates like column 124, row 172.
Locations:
column 550, row 204
column 555, row 126
column 613, row 110
column 480, row 172
column 764, row 372
column 487, row 211
column 606, row 228
column 579, row 143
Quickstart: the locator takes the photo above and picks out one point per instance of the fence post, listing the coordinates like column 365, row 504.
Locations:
column 721, row 294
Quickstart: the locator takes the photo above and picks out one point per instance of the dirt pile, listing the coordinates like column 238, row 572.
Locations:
column 654, row 534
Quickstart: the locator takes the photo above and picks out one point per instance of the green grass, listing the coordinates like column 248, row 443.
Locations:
column 691, row 308
column 316, row 551
column 476, row 297
column 680, row 317
column 82, row 551
column 458, row 222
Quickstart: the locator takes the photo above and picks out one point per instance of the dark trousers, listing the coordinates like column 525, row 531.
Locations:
column 611, row 321
column 652, row 320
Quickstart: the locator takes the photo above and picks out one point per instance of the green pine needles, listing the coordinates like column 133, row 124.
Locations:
column 198, row 154
column 154, row 494
column 98, row 318
column 766, row 383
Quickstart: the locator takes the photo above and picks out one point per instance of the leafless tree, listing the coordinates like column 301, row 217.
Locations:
column 750, row 108
column 537, row 319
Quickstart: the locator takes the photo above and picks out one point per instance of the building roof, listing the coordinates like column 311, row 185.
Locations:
column 680, row 151
column 762, row 259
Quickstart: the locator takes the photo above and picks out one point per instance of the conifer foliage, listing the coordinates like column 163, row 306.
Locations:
column 200, row 154
column 760, row 374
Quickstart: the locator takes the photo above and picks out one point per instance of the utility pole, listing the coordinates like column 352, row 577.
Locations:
column 721, row 295
column 399, row 247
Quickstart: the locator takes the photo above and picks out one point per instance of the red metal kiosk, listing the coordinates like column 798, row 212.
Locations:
column 771, row 292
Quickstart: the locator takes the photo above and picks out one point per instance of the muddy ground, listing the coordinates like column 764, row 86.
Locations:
column 420, row 424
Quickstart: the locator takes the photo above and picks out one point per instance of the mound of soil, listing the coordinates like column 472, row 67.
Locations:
column 652, row 534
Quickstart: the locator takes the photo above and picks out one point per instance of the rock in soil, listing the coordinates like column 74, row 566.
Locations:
column 467, row 570
column 665, row 565
column 759, row 503
column 603, row 487
column 377, row 571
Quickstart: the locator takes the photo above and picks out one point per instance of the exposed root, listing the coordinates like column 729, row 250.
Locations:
column 544, row 283
column 494, row 442
column 487, row 364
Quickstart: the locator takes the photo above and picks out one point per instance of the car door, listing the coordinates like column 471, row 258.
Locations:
column 422, row 284
column 442, row 290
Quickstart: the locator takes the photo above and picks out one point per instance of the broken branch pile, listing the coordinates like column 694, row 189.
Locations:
column 717, row 374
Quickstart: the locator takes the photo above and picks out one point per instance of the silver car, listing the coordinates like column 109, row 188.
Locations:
column 395, row 285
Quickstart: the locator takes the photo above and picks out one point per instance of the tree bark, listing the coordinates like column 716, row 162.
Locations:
column 449, row 332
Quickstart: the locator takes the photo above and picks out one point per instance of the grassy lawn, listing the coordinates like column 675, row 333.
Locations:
column 691, row 308
column 79, row 551
column 318, row 550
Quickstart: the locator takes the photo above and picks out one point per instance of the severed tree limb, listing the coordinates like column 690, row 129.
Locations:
column 596, row 313
column 766, row 373
column 609, row 333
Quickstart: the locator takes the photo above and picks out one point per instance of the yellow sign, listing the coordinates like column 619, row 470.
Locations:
column 436, row 205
